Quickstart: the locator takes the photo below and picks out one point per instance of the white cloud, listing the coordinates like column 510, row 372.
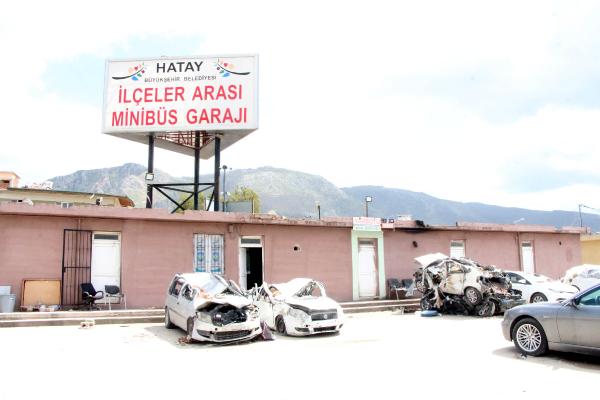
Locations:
column 323, row 66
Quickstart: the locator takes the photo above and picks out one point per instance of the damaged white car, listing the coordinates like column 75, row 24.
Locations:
column 299, row 307
column 208, row 308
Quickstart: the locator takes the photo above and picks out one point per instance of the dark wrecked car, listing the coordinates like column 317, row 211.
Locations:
column 462, row 286
column 209, row 308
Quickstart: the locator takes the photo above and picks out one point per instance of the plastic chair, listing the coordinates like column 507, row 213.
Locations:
column 113, row 291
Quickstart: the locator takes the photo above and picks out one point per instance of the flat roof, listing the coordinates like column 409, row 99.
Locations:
column 260, row 219
column 124, row 200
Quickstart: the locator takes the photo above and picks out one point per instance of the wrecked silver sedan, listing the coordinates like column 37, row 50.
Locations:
column 208, row 308
column 462, row 286
column 299, row 307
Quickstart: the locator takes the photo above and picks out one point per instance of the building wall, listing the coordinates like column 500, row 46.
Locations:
column 152, row 251
column 590, row 249
column 553, row 252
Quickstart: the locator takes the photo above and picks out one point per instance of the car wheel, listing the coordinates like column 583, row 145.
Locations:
column 529, row 337
column 472, row 296
column 190, row 328
column 538, row 298
column 486, row 309
column 576, row 287
column 280, row 325
column 425, row 304
column 168, row 323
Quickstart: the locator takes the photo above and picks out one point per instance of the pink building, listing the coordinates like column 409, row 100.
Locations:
column 141, row 249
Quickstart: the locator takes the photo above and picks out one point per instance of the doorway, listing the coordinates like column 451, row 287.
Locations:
column 106, row 260
column 527, row 257
column 251, row 262
column 367, row 268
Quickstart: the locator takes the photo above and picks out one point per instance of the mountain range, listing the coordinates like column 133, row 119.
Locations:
column 295, row 194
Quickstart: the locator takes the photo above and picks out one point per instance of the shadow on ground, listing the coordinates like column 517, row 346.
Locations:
column 555, row 359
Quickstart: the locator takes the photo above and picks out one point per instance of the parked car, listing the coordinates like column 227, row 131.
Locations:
column 571, row 325
column 460, row 285
column 536, row 288
column 582, row 276
column 299, row 307
column 209, row 308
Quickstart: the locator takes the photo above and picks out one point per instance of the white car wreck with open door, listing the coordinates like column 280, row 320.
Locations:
column 208, row 308
column 299, row 307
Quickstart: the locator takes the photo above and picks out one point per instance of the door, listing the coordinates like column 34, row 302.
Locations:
column 520, row 283
column 106, row 260
column 367, row 269
column 76, row 265
column 579, row 324
column 251, row 262
column 172, row 302
column 455, row 278
column 527, row 259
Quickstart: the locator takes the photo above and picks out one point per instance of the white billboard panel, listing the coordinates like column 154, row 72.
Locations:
column 175, row 94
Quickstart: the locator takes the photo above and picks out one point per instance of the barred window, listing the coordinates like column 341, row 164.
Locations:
column 209, row 253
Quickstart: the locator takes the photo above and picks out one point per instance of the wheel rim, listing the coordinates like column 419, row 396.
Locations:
column 529, row 337
column 538, row 299
column 471, row 295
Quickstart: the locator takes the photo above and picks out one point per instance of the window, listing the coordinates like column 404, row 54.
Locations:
column 457, row 248
column 65, row 204
column 591, row 299
column 209, row 253
column 176, row 287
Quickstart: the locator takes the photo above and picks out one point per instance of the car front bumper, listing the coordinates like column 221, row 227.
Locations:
column 204, row 332
column 506, row 323
column 295, row 327
column 507, row 304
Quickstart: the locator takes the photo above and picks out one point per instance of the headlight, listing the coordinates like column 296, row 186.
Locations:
column 298, row 314
column 204, row 317
column 252, row 312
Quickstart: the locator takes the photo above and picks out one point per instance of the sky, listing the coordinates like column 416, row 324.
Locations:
column 473, row 101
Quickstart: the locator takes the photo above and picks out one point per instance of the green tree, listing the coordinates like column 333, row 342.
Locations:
column 189, row 204
column 245, row 194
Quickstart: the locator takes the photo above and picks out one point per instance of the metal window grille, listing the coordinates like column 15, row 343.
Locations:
column 209, row 253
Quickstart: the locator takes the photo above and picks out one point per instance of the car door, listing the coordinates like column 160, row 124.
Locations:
column 579, row 322
column 455, row 278
column 520, row 283
column 265, row 302
column 175, row 312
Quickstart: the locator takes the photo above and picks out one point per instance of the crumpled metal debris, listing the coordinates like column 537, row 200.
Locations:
column 463, row 286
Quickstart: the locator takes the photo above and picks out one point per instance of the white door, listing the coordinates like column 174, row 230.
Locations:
column 242, row 266
column 106, row 260
column 527, row 257
column 367, row 270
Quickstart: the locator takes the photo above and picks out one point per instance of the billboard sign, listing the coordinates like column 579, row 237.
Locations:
column 181, row 94
column 366, row 224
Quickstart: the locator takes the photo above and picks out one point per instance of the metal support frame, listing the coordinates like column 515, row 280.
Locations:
column 150, row 170
column 197, row 140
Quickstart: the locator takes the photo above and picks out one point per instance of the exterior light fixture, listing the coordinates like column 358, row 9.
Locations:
column 149, row 176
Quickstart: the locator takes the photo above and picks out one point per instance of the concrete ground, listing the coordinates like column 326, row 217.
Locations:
column 378, row 354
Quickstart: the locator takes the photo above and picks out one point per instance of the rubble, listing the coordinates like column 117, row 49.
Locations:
column 463, row 286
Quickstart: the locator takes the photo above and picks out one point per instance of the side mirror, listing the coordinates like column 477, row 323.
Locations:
column 574, row 302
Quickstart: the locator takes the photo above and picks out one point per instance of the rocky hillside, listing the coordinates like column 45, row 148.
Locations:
column 295, row 194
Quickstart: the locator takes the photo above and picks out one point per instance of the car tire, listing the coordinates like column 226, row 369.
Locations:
column 538, row 298
column 473, row 296
column 486, row 309
column 426, row 304
column 280, row 325
column 529, row 337
column 168, row 323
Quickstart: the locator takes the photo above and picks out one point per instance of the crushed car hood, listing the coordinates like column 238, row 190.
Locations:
column 428, row 259
column 313, row 303
column 234, row 300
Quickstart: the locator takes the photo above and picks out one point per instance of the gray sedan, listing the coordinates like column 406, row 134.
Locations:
column 571, row 325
